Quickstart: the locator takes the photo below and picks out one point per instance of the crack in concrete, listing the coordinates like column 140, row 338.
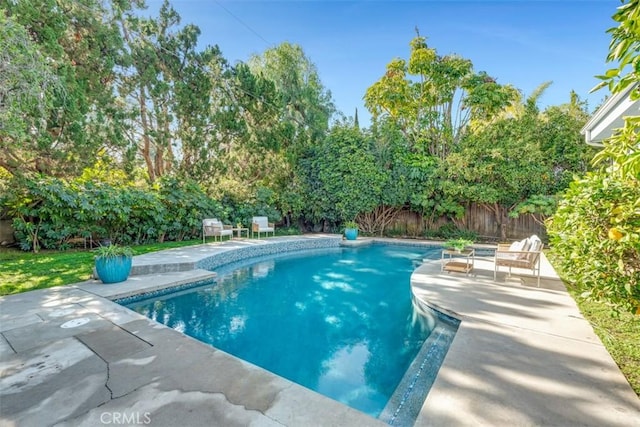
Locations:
column 9, row 343
column 131, row 391
column 137, row 336
column 91, row 309
column 106, row 383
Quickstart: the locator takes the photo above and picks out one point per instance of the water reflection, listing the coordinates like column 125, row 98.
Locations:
column 342, row 324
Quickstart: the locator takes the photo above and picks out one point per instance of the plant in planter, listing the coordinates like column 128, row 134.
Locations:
column 457, row 245
column 113, row 263
column 351, row 230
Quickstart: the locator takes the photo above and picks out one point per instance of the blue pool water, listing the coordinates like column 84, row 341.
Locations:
column 339, row 321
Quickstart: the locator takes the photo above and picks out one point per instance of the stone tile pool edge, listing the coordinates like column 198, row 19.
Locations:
column 405, row 404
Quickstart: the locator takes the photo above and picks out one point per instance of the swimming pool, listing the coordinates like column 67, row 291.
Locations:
column 339, row 321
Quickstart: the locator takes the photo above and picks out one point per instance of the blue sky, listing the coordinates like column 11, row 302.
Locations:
column 524, row 43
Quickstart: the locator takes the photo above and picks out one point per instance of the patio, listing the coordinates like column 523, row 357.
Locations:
column 522, row 356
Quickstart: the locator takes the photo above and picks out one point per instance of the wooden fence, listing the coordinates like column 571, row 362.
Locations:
column 477, row 219
column 6, row 232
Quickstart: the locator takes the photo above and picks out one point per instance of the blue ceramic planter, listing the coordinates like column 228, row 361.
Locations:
column 113, row 269
column 351, row 233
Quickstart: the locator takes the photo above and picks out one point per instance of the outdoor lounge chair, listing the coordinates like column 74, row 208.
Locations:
column 261, row 224
column 523, row 254
column 215, row 228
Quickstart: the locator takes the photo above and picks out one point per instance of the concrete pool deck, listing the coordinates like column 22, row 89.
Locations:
column 522, row 356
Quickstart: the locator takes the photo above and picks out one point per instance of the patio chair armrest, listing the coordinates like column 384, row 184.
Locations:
column 519, row 252
column 503, row 247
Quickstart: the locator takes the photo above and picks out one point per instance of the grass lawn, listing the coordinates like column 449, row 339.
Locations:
column 620, row 335
column 25, row 271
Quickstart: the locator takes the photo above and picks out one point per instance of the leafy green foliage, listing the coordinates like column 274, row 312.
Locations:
column 458, row 244
column 622, row 150
column 169, row 88
column 343, row 179
column 350, row 224
column 595, row 234
column 432, row 98
column 499, row 165
column 514, row 164
column 538, row 206
column 27, row 86
column 82, row 50
column 112, row 251
column 178, row 132
column 304, row 101
column 623, row 50
column 562, row 144
column 48, row 212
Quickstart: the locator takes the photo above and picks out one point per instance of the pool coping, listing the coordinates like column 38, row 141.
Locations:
column 130, row 381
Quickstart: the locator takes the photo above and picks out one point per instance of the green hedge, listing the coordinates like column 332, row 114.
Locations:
column 48, row 212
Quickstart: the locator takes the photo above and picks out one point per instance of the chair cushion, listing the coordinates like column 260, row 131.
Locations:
column 517, row 246
column 525, row 248
column 536, row 245
column 262, row 221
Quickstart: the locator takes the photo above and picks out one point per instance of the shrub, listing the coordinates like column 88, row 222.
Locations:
column 458, row 244
column 113, row 251
column 595, row 238
column 47, row 212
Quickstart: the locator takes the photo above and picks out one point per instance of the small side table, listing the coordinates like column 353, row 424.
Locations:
column 461, row 262
column 240, row 230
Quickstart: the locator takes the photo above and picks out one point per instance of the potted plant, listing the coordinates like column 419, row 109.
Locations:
column 458, row 245
column 113, row 263
column 351, row 230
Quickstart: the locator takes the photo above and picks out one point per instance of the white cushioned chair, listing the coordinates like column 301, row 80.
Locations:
column 214, row 227
column 261, row 224
column 523, row 254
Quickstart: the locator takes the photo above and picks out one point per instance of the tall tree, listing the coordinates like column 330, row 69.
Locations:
column 342, row 178
column 257, row 133
column 82, row 45
column 304, row 101
column 167, row 86
column 27, row 87
column 561, row 142
column 304, row 109
column 432, row 98
column 498, row 168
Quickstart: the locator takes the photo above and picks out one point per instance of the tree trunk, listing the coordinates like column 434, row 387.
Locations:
column 504, row 223
column 146, row 141
column 502, row 219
